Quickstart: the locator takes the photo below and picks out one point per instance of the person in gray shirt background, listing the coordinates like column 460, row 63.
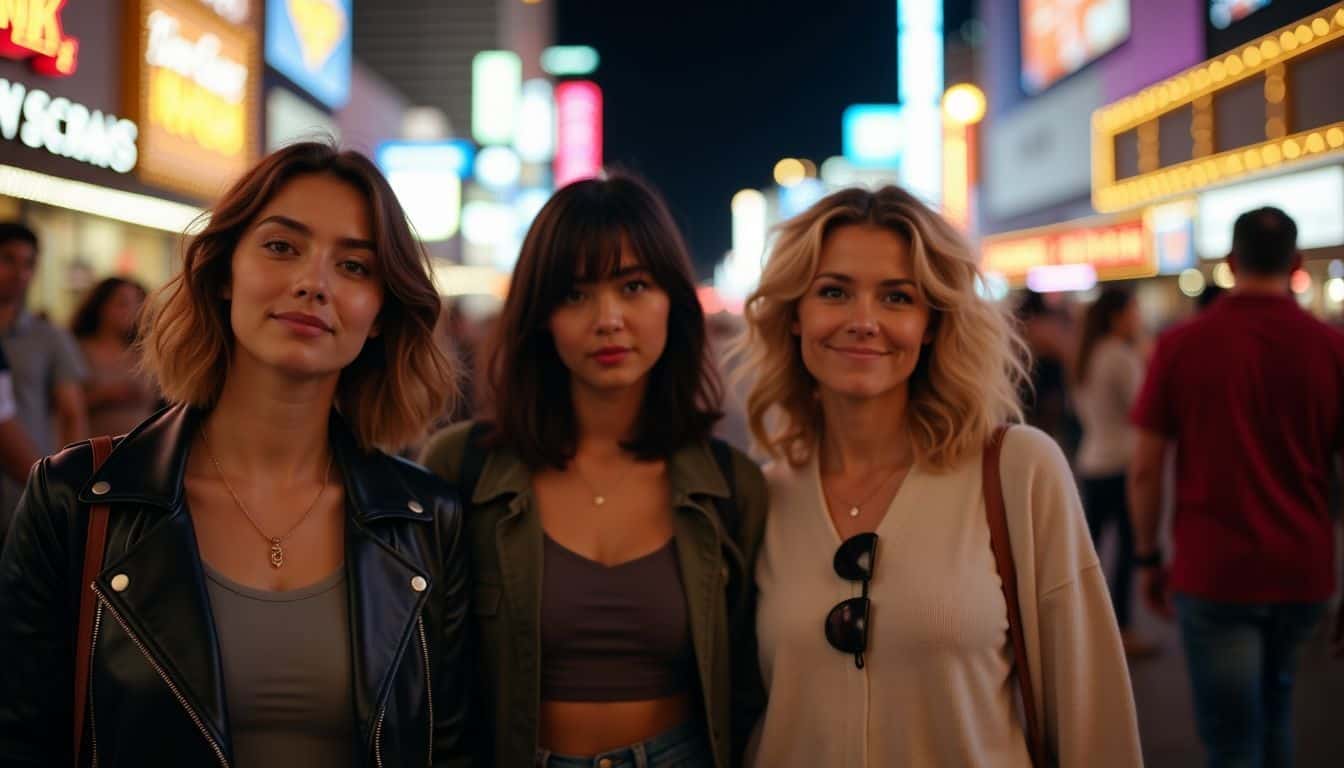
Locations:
column 46, row 367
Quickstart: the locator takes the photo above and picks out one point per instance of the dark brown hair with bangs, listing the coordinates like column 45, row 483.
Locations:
column 578, row 237
column 400, row 382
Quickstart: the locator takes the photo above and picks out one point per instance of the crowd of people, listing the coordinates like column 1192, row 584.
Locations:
column 65, row 384
column 577, row 571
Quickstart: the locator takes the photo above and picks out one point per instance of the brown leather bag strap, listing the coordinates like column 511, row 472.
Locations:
column 1000, row 542
column 94, row 545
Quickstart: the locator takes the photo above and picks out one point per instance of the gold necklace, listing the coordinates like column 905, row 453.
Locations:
column 276, row 542
column 598, row 498
column 855, row 508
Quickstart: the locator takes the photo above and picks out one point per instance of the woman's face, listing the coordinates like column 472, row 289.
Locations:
column 306, row 289
column 121, row 309
column 610, row 333
column 863, row 323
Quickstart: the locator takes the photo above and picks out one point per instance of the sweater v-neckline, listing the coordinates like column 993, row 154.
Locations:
column 823, row 506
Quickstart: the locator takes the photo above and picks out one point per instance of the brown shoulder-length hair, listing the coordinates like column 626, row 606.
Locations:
column 577, row 237
column 400, row 382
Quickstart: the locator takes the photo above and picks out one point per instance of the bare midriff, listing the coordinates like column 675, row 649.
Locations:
column 585, row 728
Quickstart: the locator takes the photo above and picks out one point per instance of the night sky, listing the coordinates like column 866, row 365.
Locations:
column 702, row 97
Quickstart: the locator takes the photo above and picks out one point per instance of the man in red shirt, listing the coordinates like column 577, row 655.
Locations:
column 1250, row 396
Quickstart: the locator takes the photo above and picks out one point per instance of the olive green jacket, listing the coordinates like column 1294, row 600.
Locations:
column 505, row 536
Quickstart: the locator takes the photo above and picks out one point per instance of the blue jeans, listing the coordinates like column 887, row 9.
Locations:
column 685, row 746
column 1242, row 659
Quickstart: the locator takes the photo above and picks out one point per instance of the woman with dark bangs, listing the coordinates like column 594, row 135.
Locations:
column 259, row 584
column 613, row 540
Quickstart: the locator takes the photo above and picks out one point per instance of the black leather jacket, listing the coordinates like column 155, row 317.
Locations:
column 157, row 695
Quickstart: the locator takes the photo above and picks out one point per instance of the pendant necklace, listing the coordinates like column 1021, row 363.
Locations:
column 598, row 498
column 854, row 509
column 277, row 550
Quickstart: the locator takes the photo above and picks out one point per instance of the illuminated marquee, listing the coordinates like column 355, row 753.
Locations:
column 32, row 29
column 1271, row 103
column 196, row 99
column 66, row 128
column 1117, row 249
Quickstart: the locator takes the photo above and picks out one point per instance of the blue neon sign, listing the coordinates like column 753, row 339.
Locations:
column 310, row 43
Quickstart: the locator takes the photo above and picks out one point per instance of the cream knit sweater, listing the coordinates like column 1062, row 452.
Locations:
column 937, row 687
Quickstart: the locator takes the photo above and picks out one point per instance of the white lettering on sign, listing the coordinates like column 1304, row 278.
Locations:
column 233, row 10
column 67, row 128
column 197, row 60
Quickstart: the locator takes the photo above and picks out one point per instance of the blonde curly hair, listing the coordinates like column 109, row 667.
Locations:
column 966, row 382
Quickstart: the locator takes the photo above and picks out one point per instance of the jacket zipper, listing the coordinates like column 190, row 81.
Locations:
column 93, row 719
column 172, row 687
column 429, row 691
column 429, row 705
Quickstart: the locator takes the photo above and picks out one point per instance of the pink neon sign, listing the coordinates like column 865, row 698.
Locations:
column 578, row 119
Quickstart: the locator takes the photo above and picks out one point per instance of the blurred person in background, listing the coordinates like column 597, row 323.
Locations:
column 1210, row 294
column 1107, row 375
column 117, row 393
column 45, row 363
column 1249, row 395
column 1045, row 394
column 613, row 538
column 884, row 618
column 273, row 589
column 17, row 453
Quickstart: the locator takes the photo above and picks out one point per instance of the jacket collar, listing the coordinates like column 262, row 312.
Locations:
column 148, row 465
column 691, row 472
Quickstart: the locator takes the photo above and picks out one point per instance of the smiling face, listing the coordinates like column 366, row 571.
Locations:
column 610, row 333
column 305, row 290
column 863, row 323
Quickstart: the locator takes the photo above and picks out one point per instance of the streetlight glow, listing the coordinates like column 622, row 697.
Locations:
column 964, row 104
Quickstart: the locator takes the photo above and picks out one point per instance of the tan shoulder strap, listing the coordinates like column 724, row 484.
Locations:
column 94, row 545
column 1000, row 542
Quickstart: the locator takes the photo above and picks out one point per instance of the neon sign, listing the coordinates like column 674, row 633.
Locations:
column 66, row 128
column 578, row 109
column 32, row 29
column 196, row 95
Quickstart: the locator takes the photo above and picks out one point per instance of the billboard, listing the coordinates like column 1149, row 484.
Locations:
column 1060, row 37
column 309, row 41
column 193, row 78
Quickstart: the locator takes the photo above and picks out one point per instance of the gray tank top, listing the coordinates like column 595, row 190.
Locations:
column 287, row 679
column 618, row 633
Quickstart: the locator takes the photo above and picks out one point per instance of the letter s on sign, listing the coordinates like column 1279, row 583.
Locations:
column 34, row 118
column 124, row 152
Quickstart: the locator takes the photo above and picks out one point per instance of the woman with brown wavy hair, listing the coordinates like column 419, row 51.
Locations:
column 883, row 626
column 272, row 589
column 612, row 538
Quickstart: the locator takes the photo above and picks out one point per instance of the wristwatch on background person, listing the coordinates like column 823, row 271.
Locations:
column 1151, row 560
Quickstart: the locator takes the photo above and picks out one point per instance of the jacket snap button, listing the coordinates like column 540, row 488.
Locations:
column 604, row 763
column 120, row 582
column 415, row 507
column 418, row 583
column 100, row 488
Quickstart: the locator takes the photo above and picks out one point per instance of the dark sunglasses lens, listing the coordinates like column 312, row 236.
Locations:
column 847, row 624
column 855, row 558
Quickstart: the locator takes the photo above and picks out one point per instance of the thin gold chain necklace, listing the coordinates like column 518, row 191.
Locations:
column 276, row 542
column 854, row 509
column 598, row 498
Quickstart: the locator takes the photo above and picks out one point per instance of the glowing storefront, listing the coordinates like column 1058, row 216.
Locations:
column 117, row 122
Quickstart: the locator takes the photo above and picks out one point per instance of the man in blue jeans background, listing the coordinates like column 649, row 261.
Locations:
column 1250, row 397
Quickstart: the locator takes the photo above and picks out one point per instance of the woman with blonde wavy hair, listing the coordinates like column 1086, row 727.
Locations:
column 882, row 376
